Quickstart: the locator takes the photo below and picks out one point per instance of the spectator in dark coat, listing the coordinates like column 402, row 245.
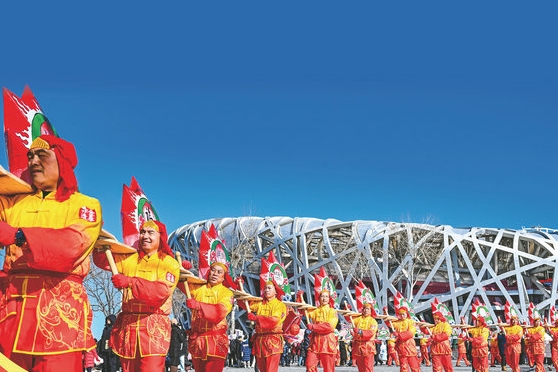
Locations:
column 177, row 346
column 110, row 359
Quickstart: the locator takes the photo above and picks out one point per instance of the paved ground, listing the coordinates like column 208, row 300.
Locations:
column 524, row 368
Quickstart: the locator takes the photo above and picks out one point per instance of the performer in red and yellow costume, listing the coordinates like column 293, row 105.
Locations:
column 392, row 352
column 424, row 344
column 514, row 333
column 141, row 333
column 535, row 335
column 323, row 346
column 440, row 347
column 364, row 339
column 269, row 315
column 494, row 351
column 553, row 331
column 462, row 349
column 45, row 317
column 210, row 304
column 479, row 339
column 404, row 331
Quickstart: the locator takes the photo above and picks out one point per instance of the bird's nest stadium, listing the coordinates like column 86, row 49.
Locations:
column 421, row 261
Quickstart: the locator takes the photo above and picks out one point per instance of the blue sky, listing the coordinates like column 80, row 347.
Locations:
column 436, row 111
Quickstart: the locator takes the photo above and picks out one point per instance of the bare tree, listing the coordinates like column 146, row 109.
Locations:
column 414, row 249
column 104, row 297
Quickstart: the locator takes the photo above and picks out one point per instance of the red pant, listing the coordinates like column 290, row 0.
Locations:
column 365, row 363
column 393, row 358
column 406, row 362
column 463, row 357
column 326, row 360
column 441, row 361
column 538, row 359
column 512, row 359
column 269, row 363
column 145, row 364
column 480, row 363
column 209, row 365
column 48, row 363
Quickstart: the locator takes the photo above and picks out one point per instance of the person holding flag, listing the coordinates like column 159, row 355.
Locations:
column 404, row 330
column 514, row 334
column 141, row 333
column 553, row 332
column 210, row 303
column 365, row 328
column 269, row 315
column 479, row 340
column 322, row 321
column 49, row 235
column 536, row 335
column 440, row 348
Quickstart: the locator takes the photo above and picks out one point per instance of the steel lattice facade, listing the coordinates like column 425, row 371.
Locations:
column 421, row 261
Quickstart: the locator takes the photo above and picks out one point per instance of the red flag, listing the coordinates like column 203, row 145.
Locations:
column 213, row 250
column 24, row 121
column 401, row 302
column 365, row 296
column 480, row 310
column 533, row 313
column 135, row 210
column 275, row 272
column 509, row 311
column 323, row 282
column 443, row 309
column 552, row 315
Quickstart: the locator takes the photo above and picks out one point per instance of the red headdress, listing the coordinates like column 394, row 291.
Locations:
column 162, row 229
column 67, row 161
column 439, row 315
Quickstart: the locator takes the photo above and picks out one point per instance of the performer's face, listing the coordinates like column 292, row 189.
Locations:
column 403, row 314
column 149, row 240
column 366, row 311
column 216, row 275
column 43, row 167
column 324, row 298
column 269, row 291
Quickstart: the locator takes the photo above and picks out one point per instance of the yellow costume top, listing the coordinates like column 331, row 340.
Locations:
column 441, row 334
column 208, row 334
column 146, row 304
column 480, row 341
column 268, row 339
column 514, row 334
column 536, row 338
column 322, row 338
column 45, row 306
column 405, row 344
column 364, row 338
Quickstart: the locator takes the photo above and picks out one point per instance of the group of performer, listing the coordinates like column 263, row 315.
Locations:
column 45, row 315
